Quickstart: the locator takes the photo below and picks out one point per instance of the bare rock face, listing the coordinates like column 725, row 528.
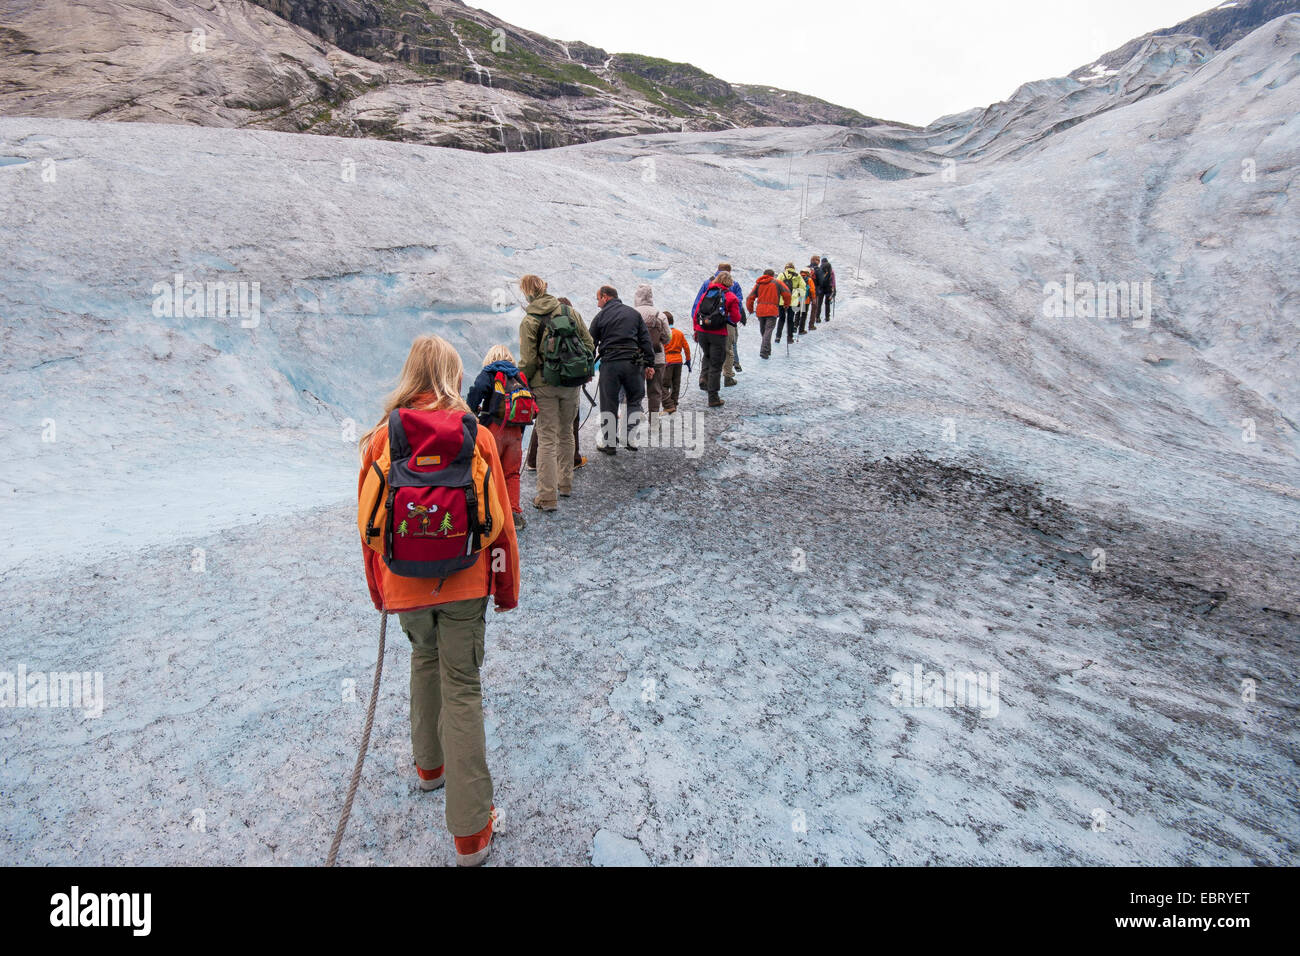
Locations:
column 179, row 61
column 341, row 22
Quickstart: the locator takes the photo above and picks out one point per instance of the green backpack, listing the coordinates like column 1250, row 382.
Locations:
column 566, row 360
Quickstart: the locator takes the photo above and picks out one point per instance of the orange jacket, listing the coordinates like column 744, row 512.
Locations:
column 676, row 344
column 495, row 573
column 770, row 294
column 811, row 283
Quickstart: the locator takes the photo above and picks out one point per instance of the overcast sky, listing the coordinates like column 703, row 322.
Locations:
column 906, row 60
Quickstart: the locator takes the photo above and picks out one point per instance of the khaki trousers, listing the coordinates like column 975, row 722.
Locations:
column 447, row 706
column 557, row 406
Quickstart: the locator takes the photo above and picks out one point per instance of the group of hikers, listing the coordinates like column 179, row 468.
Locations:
column 439, row 488
column 790, row 303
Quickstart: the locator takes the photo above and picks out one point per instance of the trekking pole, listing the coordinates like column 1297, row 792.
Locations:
column 589, row 410
column 365, row 744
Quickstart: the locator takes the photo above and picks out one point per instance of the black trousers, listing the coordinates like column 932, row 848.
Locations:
column 785, row 320
column 713, row 351
column 620, row 376
column 824, row 304
column 672, row 385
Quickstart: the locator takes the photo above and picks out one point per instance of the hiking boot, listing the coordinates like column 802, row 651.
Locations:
column 520, row 521
column 630, row 447
column 582, row 460
column 551, row 506
column 736, row 367
column 430, row 779
column 607, row 449
column 715, row 402
column 703, row 387
column 729, row 382
column 473, row 850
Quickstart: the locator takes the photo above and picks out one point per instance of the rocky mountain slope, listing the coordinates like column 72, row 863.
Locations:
column 426, row 71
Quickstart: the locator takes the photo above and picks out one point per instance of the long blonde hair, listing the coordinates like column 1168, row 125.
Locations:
column 432, row 367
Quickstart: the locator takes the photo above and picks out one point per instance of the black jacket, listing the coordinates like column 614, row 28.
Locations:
column 825, row 278
column 620, row 334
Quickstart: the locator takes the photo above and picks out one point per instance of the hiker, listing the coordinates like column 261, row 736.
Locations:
column 627, row 362
column 673, row 352
column 658, row 329
column 556, row 355
column 790, row 279
column 731, row 361
column 814, row 268
column 809, row 299
column 442, row 615
column 717, row 310
column 826, row 287
column 579, row 459
column 771, row 296
column 504, row 404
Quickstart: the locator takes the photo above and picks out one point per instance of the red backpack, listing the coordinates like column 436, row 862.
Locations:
column 427, row 504
column 516, row 404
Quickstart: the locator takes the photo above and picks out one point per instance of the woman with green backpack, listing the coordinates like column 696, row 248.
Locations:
column 556, row 354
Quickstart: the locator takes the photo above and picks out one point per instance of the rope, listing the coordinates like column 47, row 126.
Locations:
column 365, row 744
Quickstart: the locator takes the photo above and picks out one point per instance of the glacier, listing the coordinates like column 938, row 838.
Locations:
column 1101, row 512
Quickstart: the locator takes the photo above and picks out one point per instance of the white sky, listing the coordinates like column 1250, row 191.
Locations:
column 906, row 60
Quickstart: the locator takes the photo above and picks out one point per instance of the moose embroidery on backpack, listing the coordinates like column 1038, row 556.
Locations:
column 422, row 514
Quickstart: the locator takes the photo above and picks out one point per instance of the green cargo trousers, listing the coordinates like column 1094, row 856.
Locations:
column 447, row 706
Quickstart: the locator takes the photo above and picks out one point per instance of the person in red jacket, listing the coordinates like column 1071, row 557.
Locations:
column 445, row 620
column 771, row 294
column 716, row 311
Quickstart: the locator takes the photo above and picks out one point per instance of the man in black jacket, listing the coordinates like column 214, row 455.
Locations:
column 627, row 362
column 825, row 287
